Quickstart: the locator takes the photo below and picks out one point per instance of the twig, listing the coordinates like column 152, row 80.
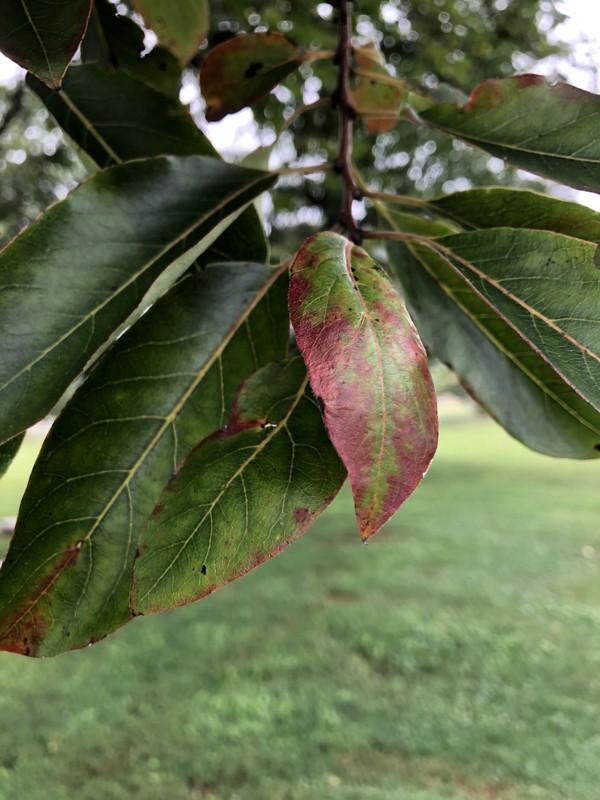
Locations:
column 324, row 167
column 343, row 102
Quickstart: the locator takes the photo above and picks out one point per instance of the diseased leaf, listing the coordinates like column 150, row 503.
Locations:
column 376, row 100
column 167, row 383
column 368, row 369
column 549, row 130
column 242, row 496
column 510, row 380
column 547, row 288
column 115, row 42
column 238, row 72
column 69, row 280
column 8, row 451
column 42, row 35
column 180, row 26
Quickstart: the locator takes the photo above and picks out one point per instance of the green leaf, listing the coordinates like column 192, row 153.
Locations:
column 547, row 287
column 115, row 117
column 512, row 382
column 8, row 451
column 115, row 42
column 549, row 130
column 180, row 26
column 368, row 370
column 242, row 496
column 374, row 97
column 69, row 280
column 165, row 385
column 238, row 72
column 499, row 207
column 42, row 35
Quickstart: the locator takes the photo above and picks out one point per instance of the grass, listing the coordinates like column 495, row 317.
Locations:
column 456, row 657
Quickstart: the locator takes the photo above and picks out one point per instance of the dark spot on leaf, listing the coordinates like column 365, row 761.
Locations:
column 253, row 69
column 203, row 569
column 162, row 66
column 597, row 257
column 372, row 82
column 300, row 514
column 156, row 510
column 597, row 447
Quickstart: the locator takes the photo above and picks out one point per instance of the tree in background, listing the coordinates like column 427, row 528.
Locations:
column 200, row 440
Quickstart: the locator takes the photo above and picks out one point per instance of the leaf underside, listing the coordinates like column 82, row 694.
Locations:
column 180, row 26
column 548, row 130
column 368, row 369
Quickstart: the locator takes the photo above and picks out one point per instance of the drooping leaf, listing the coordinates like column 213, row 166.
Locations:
column 549, row 130
column 42, row 35
column 180, row 26
column 167, row 383
column 368, row 369
column 508, row 378
column 242, row 496
column 8, row 451
column 500, row 207
column 546, row 286
column 240, row 71
column 115, row 42
column 374, row 98
column 72, row 278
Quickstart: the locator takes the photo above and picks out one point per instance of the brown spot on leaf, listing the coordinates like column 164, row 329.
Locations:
column 253, row 69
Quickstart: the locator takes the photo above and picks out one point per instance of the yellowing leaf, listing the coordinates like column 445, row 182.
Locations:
column 180, row 25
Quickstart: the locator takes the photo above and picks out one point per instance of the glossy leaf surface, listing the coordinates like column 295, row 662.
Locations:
column 242, row 496
column 72, row 278
column 368, row 370
column 180, row 26
column 547, row 287
column 167, row 383
column 240, row 71
column 42, row 35
column 549, row 130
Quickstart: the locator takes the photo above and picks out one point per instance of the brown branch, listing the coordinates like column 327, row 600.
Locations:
column 343, row 102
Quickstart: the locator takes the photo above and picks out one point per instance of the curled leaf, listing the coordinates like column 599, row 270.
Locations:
column 368, row 370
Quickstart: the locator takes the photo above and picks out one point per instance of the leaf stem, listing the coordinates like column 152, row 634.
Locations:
column 343, row 102
column 324, row 167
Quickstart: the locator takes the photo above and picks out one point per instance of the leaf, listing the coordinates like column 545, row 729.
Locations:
column 42, row 35
column 499, row 207
column 377, row 100
column 549, row 130
column 69, row 280
column 115, row 117
column 368, row 369
column 238, row 72
column 115, row 42
column 167, row 383
column 547, row 288
column 510, row 380
column 8, row 451
column 242, row 496
column 180, row 27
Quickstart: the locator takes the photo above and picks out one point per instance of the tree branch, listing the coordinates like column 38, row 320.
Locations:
column 343, row 102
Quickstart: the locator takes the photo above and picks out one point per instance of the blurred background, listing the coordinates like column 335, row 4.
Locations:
column 455, row 657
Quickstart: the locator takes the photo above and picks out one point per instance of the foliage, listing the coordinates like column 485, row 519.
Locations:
column 199, row 441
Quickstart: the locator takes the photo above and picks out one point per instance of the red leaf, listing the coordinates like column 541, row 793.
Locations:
column 368, row 370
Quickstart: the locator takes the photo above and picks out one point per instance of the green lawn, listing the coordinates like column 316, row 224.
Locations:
column 455, row 657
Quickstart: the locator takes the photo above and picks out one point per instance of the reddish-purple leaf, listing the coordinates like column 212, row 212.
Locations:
column 368, row 370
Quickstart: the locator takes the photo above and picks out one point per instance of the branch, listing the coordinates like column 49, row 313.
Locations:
column 343, row 101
